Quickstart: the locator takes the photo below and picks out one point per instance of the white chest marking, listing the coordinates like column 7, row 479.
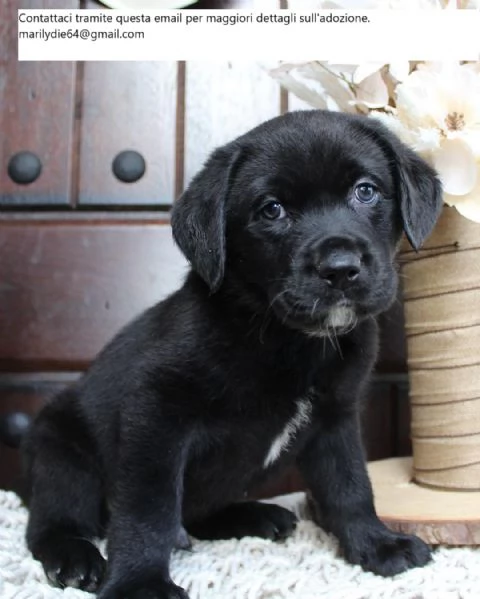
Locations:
column 301, row 418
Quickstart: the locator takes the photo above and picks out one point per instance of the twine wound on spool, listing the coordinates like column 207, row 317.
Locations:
column 442, row 322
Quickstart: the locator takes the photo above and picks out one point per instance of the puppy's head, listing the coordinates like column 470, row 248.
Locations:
column 303, row 215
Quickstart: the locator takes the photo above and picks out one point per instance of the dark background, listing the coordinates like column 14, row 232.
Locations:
column 82, row 252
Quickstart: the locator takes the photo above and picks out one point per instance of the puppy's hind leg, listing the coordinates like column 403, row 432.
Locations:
column 246, row 519
column 66, row 500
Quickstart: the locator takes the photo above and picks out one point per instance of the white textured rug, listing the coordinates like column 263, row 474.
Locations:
column 306, row 566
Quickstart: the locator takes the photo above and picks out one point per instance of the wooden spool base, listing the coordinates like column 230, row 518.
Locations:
column 437, row 517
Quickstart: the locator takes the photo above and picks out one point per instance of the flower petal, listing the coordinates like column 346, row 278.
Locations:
column 334, row 86
column 457, row 167
column 427, row 140
column 399, row 69
column 313, row 97
column 366, row 69
column 396, row 126
column 470, row 209
column 468, row 205
column 373, row 91
column 345, row 68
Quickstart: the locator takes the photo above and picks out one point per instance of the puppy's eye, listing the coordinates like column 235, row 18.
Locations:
column 366, row 193
column 273, row 211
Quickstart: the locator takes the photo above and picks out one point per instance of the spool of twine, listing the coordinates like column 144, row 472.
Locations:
column 442, row 319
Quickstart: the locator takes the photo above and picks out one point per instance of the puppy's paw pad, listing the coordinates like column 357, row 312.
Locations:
column 388, row 554
column 72, row 562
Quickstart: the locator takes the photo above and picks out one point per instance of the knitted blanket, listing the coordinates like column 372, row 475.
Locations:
column 306, row 566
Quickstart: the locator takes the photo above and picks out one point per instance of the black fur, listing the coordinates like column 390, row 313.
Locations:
column 171, row 426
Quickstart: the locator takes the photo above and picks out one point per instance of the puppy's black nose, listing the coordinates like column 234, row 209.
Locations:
column 340, row 269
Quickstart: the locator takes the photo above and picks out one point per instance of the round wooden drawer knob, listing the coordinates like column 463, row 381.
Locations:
column 128, row 166
column 13, row 427
column 24, row 167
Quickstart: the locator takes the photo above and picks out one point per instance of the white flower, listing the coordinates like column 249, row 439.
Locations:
column 315, row 83
column 375, row 82
column 438, row 115
column 469, row 204
column 349, row 88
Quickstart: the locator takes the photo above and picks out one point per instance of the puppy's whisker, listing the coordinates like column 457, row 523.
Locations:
column 329, row 338
column 287, row 314
column 277, row 297
column 252, row 318
column 291, row 308
column 337, row 343
column 267, row 319
column 353, row 324
column 295, row 306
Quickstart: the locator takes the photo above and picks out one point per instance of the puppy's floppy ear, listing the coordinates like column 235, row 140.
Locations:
column 419, row 188
column 421, row 197
column 198, row 216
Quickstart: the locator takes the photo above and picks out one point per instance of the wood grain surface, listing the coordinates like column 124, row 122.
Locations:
column 74, row 284
column 223, row 100
column 37, row 101
column 438, row 517
column 128, row 106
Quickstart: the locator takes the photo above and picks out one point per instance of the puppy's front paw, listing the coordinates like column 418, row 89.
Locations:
column 140, row 589
column 387, row 553
column 72, row 562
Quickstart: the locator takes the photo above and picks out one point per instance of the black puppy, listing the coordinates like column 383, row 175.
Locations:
column 257, row 362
